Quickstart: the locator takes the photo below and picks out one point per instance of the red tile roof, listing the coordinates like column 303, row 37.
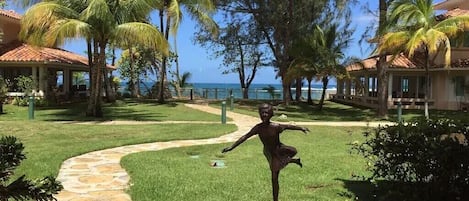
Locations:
column 10, row 14
column 400, row 61
column 21, row 52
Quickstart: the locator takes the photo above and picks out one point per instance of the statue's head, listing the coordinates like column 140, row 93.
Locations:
column 265, row 112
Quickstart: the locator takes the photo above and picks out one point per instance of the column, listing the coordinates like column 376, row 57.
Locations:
column 367, row 86
column 66, row 80
column 390, row 80
column 35, row 79
column 42, row 81
column 348, row 86
column 340, row 87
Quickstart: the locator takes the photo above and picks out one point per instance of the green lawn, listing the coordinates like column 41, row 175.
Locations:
column 48, row 144
column 327, row 173
column 121, row 110
column 173, row 175
column 336, row 112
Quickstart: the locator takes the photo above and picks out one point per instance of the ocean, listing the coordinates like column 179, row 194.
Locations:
column 256, row 91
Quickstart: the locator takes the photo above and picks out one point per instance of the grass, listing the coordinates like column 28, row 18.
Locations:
column 48, row 144
column 337, row 112
column 327, row 173
column 121, row 110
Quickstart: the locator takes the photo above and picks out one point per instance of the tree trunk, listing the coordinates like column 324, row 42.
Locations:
column 90, row 111
column 427, row 83
column 298, row 90
column 90, row 60
column 381, row 66
column 325, row 82
column 286, row 91
column 134, row 90
column 95, row 105
column 245, row 93
column 162, row 90
column 310, row 99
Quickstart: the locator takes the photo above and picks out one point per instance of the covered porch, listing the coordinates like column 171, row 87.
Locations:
column 54, row 71
column 406, row 84
column 362, row 90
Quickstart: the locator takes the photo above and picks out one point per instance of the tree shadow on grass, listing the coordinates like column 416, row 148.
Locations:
column 359, row 190
column 121, row 110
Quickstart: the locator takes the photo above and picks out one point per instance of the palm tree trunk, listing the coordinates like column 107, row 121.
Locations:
column 90, row 59
column 286, row 91
column 310, row 99
column 134, row 90
column 107, row 76
column 162, row 87
column 298, row 90
column 325, row 82
column 93, row 74
column 178, row 78
column 427, row 84
column 95, row 105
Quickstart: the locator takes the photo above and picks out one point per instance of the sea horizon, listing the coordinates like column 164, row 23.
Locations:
column 224, row 90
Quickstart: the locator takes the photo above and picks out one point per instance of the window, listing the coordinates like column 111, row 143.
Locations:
column 405, row 85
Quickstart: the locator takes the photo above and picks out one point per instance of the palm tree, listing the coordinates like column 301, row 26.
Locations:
column 200, row 10
column 100, row 22
column 303, row 67
column 182, row 81
column 417, row 30
column 330, row 44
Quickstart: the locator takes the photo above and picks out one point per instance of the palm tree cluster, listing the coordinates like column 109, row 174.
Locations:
column 100, row 22
column 122, row 23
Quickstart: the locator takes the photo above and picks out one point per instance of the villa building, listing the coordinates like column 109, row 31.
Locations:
column 45, row 65
column 407, row 78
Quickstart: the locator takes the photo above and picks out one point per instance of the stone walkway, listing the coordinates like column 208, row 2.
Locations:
column 98, row 176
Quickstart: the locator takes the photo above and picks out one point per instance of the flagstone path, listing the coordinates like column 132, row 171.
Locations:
column 98, row 176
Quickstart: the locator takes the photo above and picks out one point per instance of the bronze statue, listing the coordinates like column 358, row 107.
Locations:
column 278, row 154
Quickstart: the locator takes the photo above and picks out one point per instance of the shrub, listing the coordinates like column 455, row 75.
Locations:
column 422, row 160
column 26, row 84
column 11, row 155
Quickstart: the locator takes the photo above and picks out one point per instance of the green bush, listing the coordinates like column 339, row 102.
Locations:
column 422, row 160
column 11, row 155
column 26, row 84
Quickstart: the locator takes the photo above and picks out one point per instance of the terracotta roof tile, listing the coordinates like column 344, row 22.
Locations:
column 10, row 14
column 21, row 52
column 400, row 61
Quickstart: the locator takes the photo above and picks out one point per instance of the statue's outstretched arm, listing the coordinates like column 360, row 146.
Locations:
column 293, row 127
column 240, row 140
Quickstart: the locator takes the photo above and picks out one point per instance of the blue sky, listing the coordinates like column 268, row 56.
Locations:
column 205, row 69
